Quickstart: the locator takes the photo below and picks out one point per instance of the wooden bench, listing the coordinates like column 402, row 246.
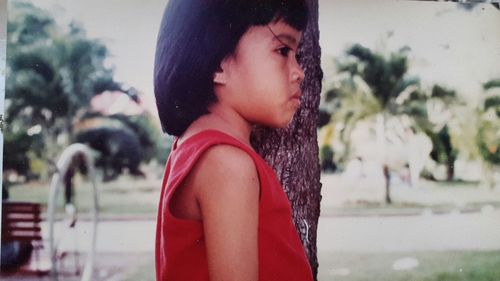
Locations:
column 21, row 223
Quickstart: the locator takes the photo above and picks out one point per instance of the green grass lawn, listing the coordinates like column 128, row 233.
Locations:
column 433, row 266
column 139, row 197
column 123, row 197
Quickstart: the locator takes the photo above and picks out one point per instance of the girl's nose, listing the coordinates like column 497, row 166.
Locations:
column 297, row 72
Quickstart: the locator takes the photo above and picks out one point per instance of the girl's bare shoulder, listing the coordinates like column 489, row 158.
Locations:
column 222, row 173
column 225, row 163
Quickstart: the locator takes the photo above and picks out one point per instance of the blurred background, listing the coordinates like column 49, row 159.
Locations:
column 409, row 136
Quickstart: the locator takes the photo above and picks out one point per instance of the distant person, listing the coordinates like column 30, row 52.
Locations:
column 221, row 67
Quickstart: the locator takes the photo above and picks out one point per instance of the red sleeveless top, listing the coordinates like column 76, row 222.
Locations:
column 180, row 247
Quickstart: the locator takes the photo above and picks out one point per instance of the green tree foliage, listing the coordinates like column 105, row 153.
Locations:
column 489, row 142
column 348, row 103
column 488, row 136
column 326, row 155
column 15, row 142
column 386, row 76
column 443, row 151
column 118, row 148
column 141, row 126
column 372, row 85
column 492, row 102
column 52, row 72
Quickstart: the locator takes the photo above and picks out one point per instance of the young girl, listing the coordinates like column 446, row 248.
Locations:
column 221, row 67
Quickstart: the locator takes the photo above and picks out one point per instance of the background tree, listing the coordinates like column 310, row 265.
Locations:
column 121, row 141
column 52, row 73
column 437, row 127
column 488, row 133
column 373, row 85
column 293, row 152
column 346, row 102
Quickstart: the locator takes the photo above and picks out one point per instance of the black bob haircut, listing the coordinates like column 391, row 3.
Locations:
column 194, row 37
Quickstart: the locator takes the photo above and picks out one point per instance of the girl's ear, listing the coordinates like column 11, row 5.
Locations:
column 220, row 76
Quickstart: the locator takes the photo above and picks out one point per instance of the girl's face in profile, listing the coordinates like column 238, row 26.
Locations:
column 263, row 76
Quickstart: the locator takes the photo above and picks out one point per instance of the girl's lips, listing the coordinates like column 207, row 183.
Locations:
column 296, row 95
column 296, row 99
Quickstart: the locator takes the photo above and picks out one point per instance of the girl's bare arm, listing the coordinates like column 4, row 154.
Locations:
column 227, row 190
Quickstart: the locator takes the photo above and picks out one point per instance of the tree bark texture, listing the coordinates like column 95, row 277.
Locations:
column 293, row 152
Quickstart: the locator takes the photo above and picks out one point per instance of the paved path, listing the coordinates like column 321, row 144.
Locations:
column 452, row 231
column 121, row 236
column 122, row 245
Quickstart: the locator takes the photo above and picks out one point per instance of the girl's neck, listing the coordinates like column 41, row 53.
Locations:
column 222, row 119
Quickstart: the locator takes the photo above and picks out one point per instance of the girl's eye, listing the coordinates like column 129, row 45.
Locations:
column 298, row 57
column 284, row 51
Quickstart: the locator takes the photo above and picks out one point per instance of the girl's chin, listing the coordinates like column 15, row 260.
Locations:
column 284, row 123
column 278, row 122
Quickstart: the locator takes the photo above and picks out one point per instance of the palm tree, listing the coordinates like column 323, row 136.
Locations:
column 376, row 85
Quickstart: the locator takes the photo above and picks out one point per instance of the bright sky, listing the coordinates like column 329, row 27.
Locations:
column 455, row 47
column 452, row 46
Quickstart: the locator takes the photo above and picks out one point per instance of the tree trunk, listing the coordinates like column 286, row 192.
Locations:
column 293, row 152
column 381, row 139
column 387, row 180
column 450, row 164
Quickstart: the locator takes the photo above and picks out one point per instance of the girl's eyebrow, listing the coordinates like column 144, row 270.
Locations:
column 284, row 37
